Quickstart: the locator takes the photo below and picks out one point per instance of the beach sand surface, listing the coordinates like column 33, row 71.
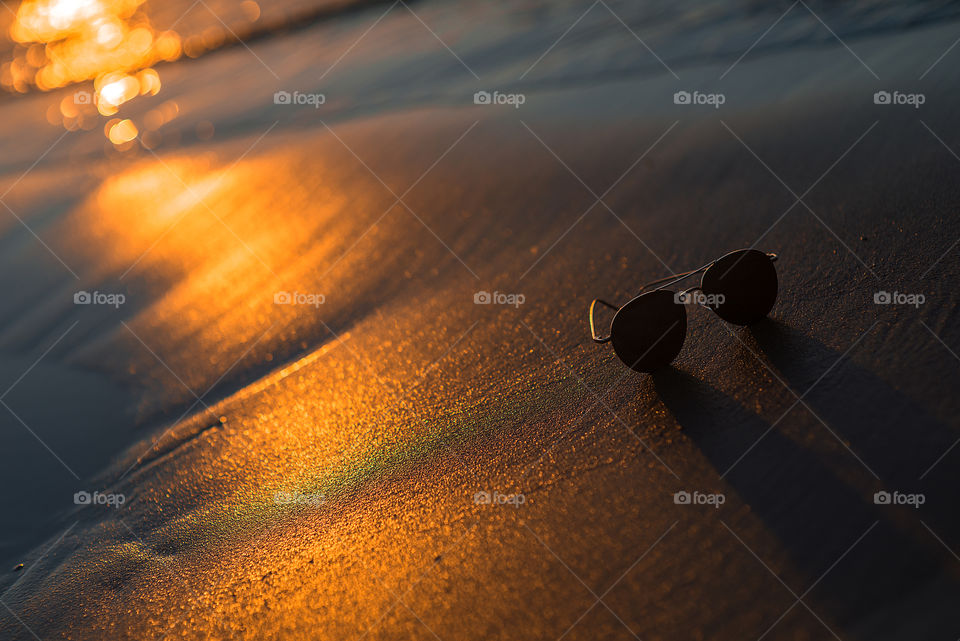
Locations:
column 311, row 470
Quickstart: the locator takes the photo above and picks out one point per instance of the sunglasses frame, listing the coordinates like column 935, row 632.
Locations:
column 664, row 283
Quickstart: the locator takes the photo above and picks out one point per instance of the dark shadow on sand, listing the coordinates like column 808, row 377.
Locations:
column 893, row 434
column 814, row 514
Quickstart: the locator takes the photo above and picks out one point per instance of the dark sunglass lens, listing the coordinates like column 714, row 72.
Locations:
column 647, row 333
column 747, row 282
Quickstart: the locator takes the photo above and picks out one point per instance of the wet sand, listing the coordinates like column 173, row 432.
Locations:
column 398, row 399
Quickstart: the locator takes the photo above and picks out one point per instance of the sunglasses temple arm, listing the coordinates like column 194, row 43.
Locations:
column 593, row 332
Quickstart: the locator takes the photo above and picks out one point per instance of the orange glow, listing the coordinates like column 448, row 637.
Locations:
column 156, row 118
column 83, row 39
column 251, row 10
column 123, row 131
column 182, row 201
column 113, row 90
column 108, row 41
column 149, row 81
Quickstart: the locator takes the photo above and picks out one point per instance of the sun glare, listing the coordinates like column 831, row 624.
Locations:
column 111, row 42
column 84, row 39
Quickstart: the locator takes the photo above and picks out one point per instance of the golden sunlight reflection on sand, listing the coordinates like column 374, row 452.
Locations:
column 319, row 422
column 202, row 244
column 215, row 241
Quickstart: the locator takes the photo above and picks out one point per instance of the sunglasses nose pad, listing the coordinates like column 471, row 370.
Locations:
column 648, row 332
column 744, row 286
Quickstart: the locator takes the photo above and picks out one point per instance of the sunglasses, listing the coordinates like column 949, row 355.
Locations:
column 648, row 332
